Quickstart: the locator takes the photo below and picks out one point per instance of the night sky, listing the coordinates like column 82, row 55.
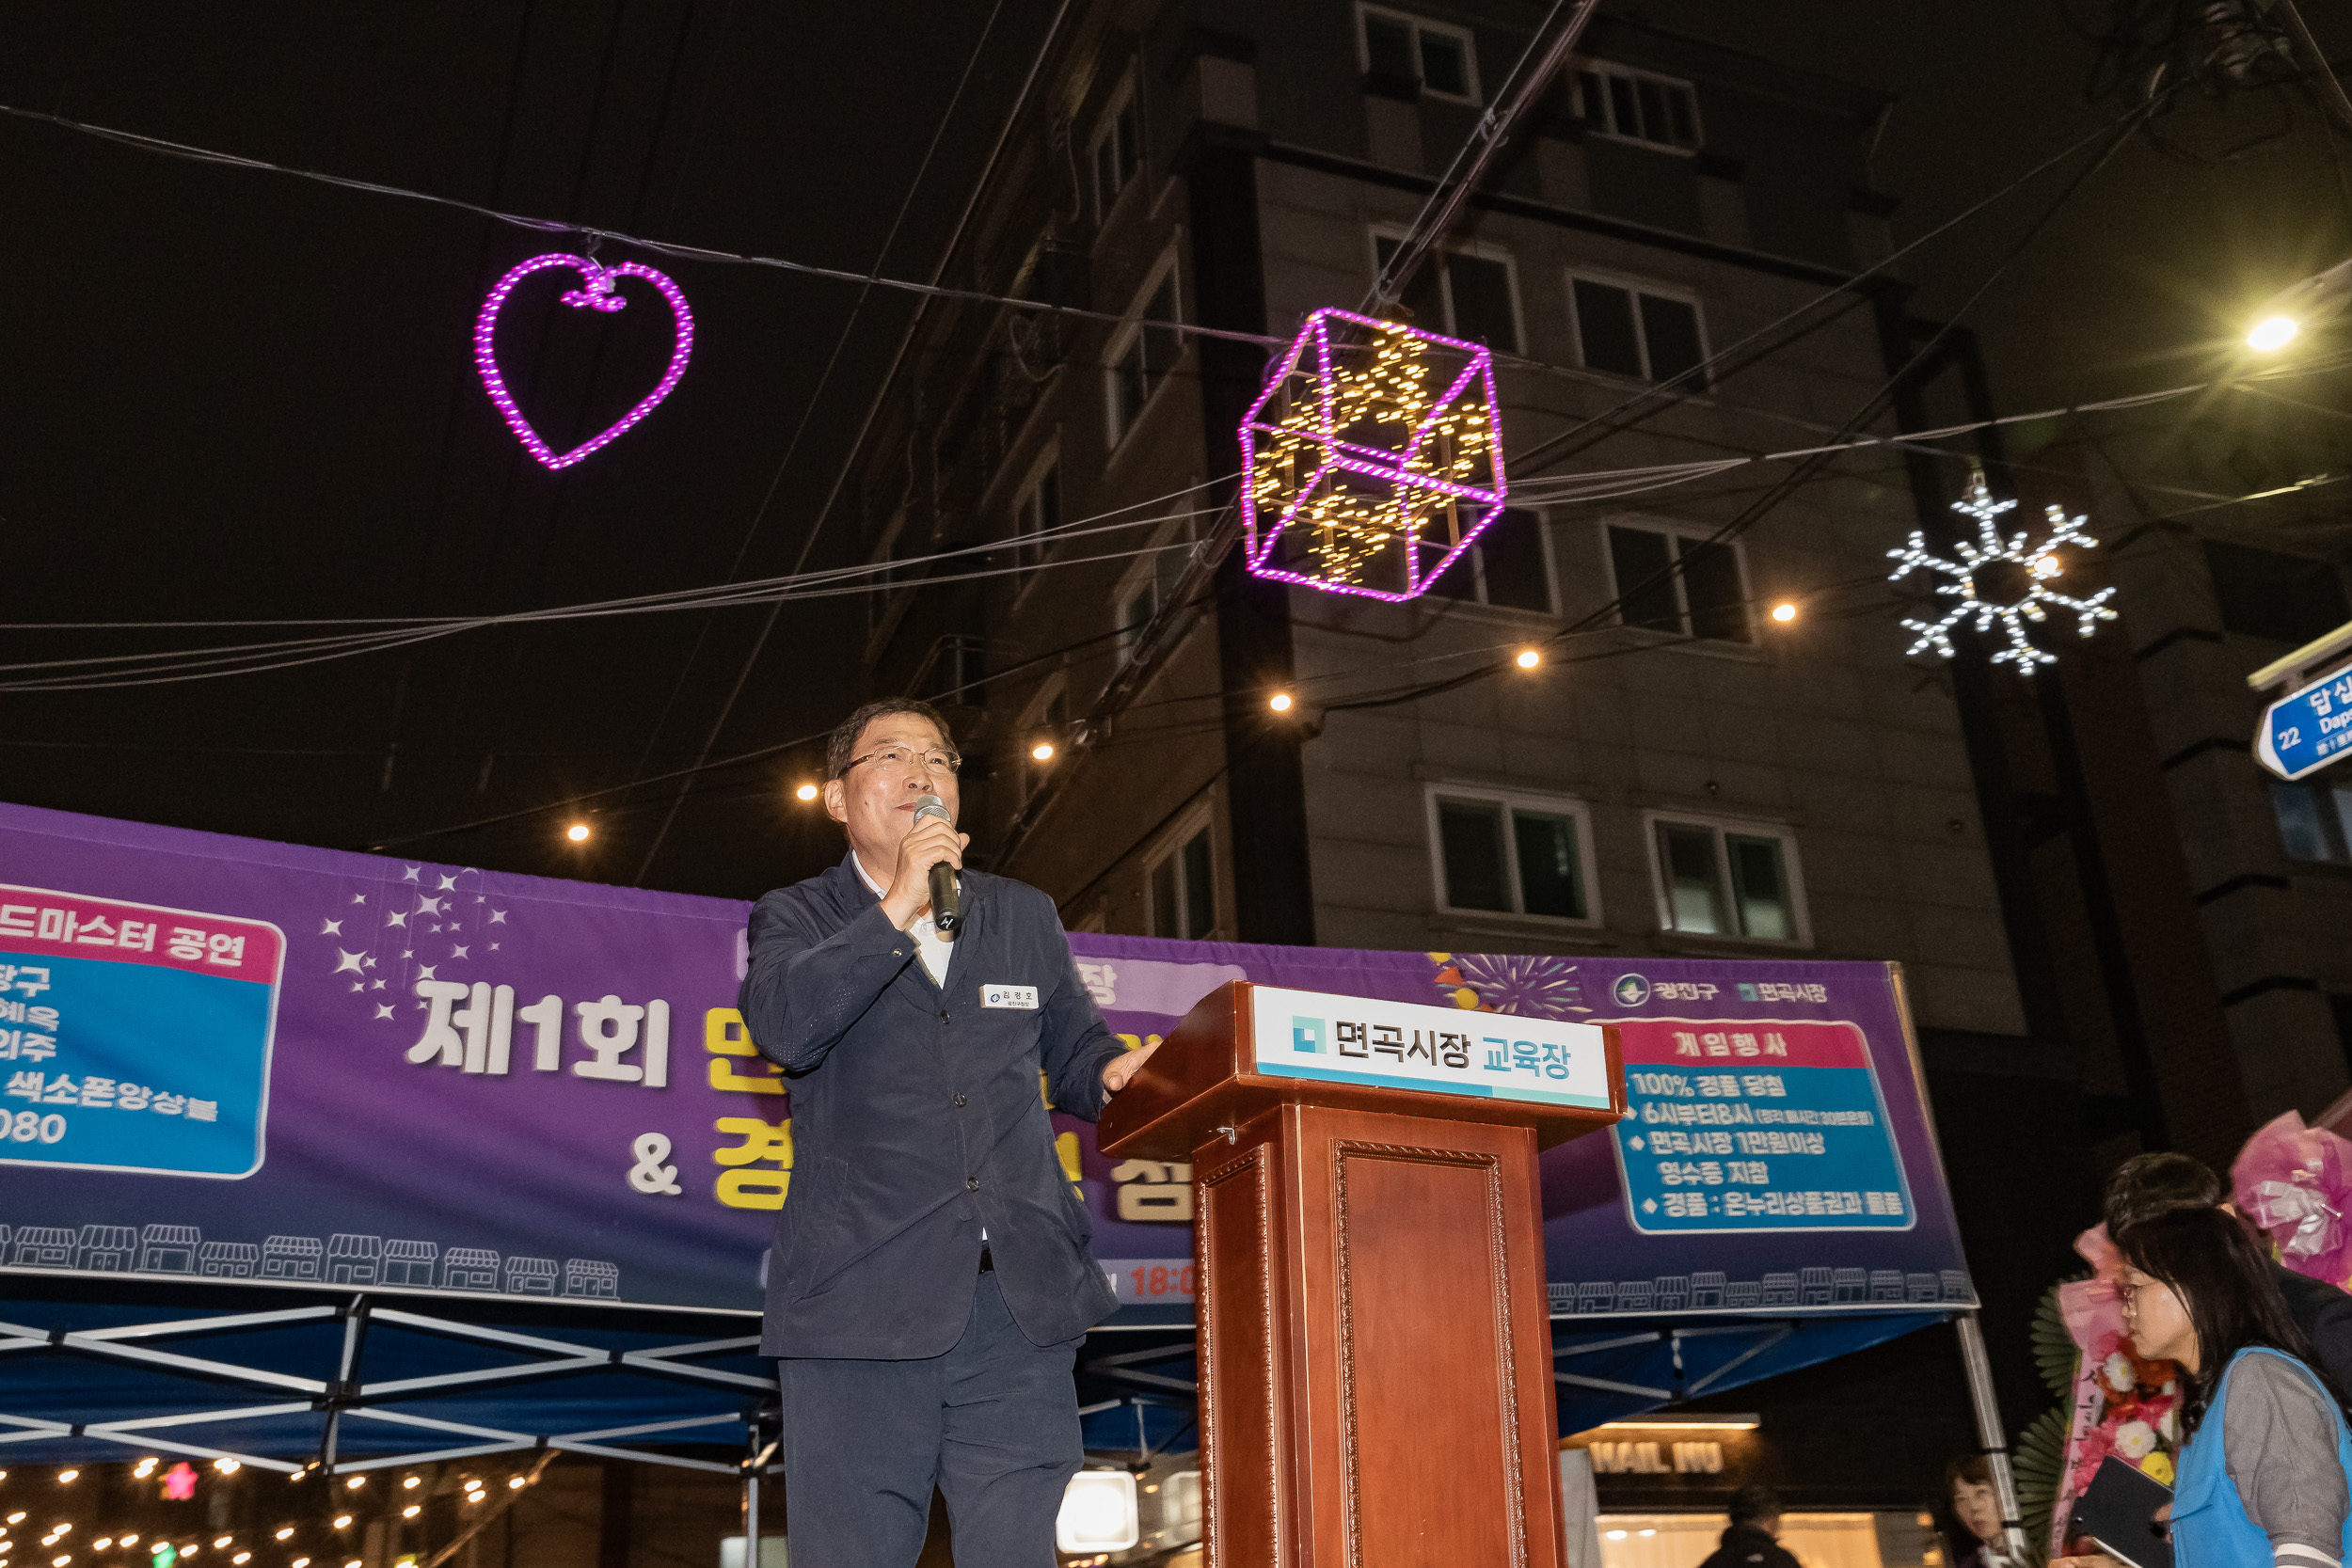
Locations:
column 232, row 395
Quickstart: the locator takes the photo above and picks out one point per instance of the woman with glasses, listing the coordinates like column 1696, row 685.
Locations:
column 2265, row 1472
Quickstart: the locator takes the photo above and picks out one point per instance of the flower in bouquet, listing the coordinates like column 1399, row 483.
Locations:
column 2118, row 1373
column 2135, row 1440
column 2294, row 1182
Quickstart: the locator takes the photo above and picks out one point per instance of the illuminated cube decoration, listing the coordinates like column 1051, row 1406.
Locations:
column 1372, row 458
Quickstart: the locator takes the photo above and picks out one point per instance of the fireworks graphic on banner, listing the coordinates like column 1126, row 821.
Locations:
column 1510, row 983
column 1373, row 457
column 2005, row 580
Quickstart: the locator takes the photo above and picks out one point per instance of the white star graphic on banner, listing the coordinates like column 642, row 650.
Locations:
column 395, row 918
column 370, row 960
column 383, row 1010
column 428, row 906
column 359, row 898
column 348, row 962
column 424, row 972
column 358, row 985
column 457, row 951
column 331, row 928
column 494, row 947
column 407, row 952
column 378, row 986
column 409, row 873
column 448, row 884
column 497, row 917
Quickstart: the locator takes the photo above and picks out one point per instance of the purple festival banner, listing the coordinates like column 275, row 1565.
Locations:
column 231, row 1059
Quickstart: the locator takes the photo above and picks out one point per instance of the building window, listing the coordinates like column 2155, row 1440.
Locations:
column 1464, row 293
column 1142, row 356
column 1405, row 48
column 1510, row 854
column 2315, row 820
column 1037, row 513
column 1636, row 332
column 1182, row 889
column 1637, row 106
column 1508, row 567
column 1117, row 151
column 1706, row 597
column 951, row 670
column 1152, row 584
column 2285, row 598
column 1720, row 880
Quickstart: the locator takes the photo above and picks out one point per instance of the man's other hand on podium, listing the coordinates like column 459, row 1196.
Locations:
column 1120, row 1071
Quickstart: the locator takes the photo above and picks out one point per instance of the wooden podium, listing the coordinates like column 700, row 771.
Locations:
column 1375, row 1340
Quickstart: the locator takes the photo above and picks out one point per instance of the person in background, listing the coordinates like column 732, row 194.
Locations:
column 2265, row 1465
column 1754, row 1539
column 1975, row 1507
column 2147, row 1186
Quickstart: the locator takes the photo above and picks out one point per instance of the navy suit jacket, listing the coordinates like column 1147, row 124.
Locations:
column 916, row 1119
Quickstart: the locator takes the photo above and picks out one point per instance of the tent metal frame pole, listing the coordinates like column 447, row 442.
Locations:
column 1991, row 1436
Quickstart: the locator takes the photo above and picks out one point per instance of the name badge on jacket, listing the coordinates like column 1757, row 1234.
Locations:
column 1022, row 997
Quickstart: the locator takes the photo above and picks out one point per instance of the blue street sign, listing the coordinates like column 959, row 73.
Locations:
column 2307, row 730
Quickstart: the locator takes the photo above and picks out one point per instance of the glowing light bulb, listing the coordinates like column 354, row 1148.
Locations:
column 284, row 1531
column 356, row 1482
column 514, row 1480
column 343, row 1520
column 219, row 1542
column 66, row 1477
column 577, row 832
column 1527, row 659
column 2272, row 332
column 1042, row 751
column 226, row 1466
column 806, row 792
column 1279, row 701
column 1784, row 612
column 147, row 1469
column 412, row 1511
column 242, row 1556
column 127, row 1540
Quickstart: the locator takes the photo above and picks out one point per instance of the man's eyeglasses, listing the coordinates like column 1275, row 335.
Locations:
column 903, row 759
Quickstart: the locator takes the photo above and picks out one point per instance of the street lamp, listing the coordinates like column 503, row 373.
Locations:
column 2300, row 306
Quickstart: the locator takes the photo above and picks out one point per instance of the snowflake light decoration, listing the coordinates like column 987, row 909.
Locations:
column 2003, row 579
column 1371, row 462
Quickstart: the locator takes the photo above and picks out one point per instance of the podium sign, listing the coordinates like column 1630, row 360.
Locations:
column 1302, row 1033
column 1368, row 1229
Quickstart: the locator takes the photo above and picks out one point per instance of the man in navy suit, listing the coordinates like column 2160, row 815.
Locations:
column 932, row 1275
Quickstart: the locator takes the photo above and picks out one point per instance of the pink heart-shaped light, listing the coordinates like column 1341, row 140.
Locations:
column 598, row 293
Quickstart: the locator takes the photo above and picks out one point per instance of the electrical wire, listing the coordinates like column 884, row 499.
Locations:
column 591, row 231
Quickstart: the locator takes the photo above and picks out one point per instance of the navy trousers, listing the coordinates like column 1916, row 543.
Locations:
column 993, row 1423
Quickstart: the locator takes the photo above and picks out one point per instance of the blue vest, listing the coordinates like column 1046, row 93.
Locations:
column 2210, row 1527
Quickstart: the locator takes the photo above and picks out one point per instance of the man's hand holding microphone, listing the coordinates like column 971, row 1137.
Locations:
column 932, row 843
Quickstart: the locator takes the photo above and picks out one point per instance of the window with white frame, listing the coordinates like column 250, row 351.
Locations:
column 1638, row 331
column 1502, row 853
column 1180, row 886
column 1402, row 47
column 1116, row 153
column 1143, row 353
column 1637, row 105
column 1464, row 293
column 1151, row 583
column 1735, row 879
column 1037, row 513
column 1669, row 581
column 1508, row 567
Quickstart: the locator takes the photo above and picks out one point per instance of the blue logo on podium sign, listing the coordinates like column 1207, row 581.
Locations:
column 1306, row 1034
column 2306, row 731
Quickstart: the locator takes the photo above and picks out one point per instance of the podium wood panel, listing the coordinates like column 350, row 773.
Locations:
column 1376, row 1370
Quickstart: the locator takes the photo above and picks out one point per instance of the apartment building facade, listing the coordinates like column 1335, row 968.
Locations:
column 1682, row 772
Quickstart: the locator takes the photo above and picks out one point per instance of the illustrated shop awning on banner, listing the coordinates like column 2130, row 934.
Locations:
column 240, row 1068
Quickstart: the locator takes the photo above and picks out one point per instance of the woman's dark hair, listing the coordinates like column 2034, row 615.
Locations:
column 2233, row 1299
column 2147, row 1186
column 1971, row 1468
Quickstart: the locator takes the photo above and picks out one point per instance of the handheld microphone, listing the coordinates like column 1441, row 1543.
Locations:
column 946, row 898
